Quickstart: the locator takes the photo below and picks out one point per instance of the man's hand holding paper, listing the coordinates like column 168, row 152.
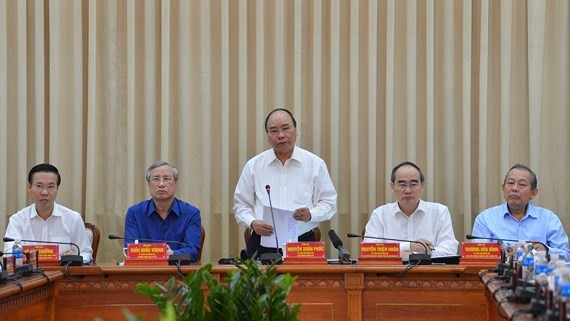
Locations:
column 285, row 227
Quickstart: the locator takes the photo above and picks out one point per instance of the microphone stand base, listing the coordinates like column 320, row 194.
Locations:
column 71, row 260
column 349, row 261
column 3, row 276
column 182, row 259
column 24, row 270
column 270, row 258
column 420, row 259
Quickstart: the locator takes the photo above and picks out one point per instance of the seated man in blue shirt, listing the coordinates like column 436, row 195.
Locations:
column 518, row 219
column 164, row 217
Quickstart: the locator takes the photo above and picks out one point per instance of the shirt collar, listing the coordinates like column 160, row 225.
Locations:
column 34, row 213
column 175, row 208
column 530, row 211
column 421, row 208
column 296, row 155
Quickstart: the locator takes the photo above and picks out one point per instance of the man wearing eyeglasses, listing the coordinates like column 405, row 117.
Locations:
column 45, row 220
column 411, row 218
column 299, row 182
column 164, row 217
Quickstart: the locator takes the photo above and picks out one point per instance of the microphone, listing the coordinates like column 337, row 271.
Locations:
column 414, row 258
column 343, row 254
column 174, row 259
column 473, row 237
column 268, row 258
column 65, row 260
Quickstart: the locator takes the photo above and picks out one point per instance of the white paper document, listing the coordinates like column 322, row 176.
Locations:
column 286, row 227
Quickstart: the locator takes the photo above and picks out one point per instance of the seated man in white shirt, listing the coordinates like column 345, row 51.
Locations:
column 46, row 220
column 411, row 218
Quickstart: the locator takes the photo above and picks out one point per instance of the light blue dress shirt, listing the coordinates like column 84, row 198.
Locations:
column 538, row 224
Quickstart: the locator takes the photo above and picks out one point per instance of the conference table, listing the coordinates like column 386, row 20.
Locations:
column 325, row 292
column 29, row 298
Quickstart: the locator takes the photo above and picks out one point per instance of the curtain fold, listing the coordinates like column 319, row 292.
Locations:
column 102, row 88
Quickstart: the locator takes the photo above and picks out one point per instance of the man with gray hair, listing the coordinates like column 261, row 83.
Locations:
column 518, row 219
column 164, row 217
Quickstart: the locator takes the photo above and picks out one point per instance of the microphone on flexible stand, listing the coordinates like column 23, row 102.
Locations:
column 269, row 258
column 414, row 258
column 174, row 259
column 343, row 254
column 506, row 270
column 473, row 237
column 66, row 260
column 502, row 265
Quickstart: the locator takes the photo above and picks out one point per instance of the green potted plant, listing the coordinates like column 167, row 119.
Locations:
column 248, row 293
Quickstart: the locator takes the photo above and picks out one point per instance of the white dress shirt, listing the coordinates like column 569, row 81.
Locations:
column 430, row 221
column 303, row 181
column 64, row 225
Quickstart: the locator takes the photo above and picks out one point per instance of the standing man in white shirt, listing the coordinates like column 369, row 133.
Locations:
column 411, row 218
column 45, row 220
column 299, row 182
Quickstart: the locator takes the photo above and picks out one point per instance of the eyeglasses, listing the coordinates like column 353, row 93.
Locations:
column 275, row 132
column 412, row 185
column 166, row 179
column 40, row 187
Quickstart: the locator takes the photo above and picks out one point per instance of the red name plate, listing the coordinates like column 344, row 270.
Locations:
column 481, row 251
column 146, row 251
column 380, row 250
column 305, row 249
column 46, row 252
column 305, row 252
column 380, row 254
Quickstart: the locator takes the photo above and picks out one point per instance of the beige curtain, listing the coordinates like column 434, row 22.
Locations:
column 102, row 88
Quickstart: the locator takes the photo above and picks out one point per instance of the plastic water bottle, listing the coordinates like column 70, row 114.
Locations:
column 528, row 266
column 564, row 301
column 553, row 287
column 555, row 278
column 540, row 263
column 520, row 251
column 518, row 260
column 552, row 265
column 18, row 253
